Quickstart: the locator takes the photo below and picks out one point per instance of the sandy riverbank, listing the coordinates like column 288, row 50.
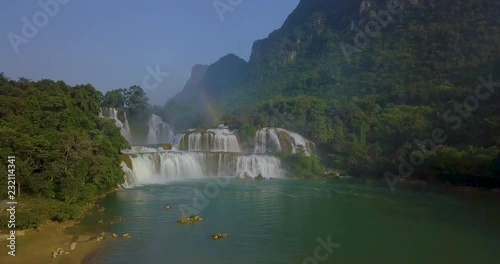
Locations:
column 37, row 246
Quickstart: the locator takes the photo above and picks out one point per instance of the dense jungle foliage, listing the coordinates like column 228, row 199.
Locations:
column 373, row 82
column 65, row 154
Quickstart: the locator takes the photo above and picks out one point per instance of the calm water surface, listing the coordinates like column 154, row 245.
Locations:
column 286, row 221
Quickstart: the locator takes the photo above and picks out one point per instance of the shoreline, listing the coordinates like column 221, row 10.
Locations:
column 37, row 246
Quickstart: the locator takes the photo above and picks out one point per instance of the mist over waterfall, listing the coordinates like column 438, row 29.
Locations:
column 213, row 140
column 281, row 140
column 159, row 131
column 112, row 113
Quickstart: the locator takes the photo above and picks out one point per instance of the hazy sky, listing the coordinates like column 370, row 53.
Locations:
column 115, row 44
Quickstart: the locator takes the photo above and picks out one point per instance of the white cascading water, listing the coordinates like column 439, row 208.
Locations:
column 112, row 113
column 253, row 165
column 159, row 131
column 210, row 153
column 281, row 140
column 213, row 140
column 161, row 167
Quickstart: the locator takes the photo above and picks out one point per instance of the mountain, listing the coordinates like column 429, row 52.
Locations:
column 209, row 83
column 370, row 80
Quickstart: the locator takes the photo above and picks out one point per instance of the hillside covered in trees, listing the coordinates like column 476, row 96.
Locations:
column 65, row 154
column 370, row 81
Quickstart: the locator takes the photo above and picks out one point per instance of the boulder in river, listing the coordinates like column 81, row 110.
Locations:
column 190, row 219
column 72, row 246
column 167, row 207
column 219, row 236
column 260, row 177
column 246, row 175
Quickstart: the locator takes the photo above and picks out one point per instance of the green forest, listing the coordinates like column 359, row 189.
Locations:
column 65, row 154
column 370, row 87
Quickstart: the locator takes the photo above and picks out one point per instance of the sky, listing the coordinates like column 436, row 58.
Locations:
column 116, row 44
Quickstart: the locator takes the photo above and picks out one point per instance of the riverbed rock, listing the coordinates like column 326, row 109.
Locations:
column 127, row 236
column 72, row 246
column 190, row 219
column 58, row 252
column 101, row 210
column 114, row 235
column 219, row 236
column 167, row 207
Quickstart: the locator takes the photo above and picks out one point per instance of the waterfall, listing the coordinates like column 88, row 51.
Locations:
column 112, row 113
column 281, row 140
column 161, row 167
column 254, row 165
column 207, row 153
column 214, row 140
column 159, row 131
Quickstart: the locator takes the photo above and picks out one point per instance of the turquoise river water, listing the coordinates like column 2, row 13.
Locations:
column 298, row 221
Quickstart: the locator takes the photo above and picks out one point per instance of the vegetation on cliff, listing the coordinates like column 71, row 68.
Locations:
column 371, row 82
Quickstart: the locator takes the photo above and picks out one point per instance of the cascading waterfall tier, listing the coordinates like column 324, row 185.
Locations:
column 112, row 113
column 159, row 131
column 280, row 140
column 213, row 140
column 163, row 166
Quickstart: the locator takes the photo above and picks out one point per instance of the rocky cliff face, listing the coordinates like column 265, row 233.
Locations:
column 193, row 85
column 333, row 48
column 209, row 82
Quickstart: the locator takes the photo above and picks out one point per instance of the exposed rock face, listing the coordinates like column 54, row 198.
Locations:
column 193, row 85
column 190, row 219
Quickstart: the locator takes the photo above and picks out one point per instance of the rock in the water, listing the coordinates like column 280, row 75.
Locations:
column 219, row 236
column 191, row 219
column 167, row 207
column 260, row 177
column 72, row 246
column 115, row 236
column 101, row 210
column 246, row 175
column 126, row 236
